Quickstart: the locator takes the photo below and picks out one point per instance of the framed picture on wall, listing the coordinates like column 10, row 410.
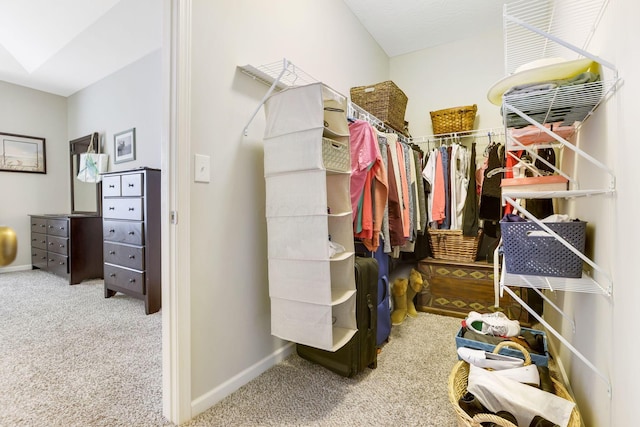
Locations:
column 21, row 153
column 124, row 146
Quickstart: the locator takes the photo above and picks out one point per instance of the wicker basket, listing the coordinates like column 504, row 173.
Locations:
column 453, row 246
column 384, row 100
column 335, row 155
column 457, row 387
column 450, row 120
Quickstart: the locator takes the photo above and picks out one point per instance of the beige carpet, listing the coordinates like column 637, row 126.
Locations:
column 408, row 388
column 70, row 357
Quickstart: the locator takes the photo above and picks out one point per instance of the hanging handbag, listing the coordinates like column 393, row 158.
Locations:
column 92, row 164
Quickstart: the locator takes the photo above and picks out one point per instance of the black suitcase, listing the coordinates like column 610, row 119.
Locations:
column 361, row 350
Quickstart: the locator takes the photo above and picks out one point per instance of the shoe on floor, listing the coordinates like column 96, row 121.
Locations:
column 497, row 324
column 485, row 359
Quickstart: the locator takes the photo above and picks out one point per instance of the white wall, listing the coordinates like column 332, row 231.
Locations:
column 128, row 98
column 604, row 326
column 30, row 112
column 451, row 75
column 229, row 289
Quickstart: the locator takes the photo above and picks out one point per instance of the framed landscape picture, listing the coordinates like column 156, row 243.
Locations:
column 21, row 153
column 124, row 146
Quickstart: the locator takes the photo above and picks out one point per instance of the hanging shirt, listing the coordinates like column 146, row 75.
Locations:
column 364, row 150
column 439, row 200
column 429, row 173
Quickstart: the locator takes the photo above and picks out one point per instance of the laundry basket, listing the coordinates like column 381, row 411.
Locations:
column 457, row 387
column 452, row 245
column 452, row 120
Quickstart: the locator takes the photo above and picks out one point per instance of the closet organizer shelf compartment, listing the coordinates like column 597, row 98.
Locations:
column 547, row 29
column 308, row 210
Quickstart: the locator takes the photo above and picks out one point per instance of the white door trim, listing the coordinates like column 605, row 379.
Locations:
column 176, row 146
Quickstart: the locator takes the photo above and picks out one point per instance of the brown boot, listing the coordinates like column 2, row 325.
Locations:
column 399, row 292
column 415, row 286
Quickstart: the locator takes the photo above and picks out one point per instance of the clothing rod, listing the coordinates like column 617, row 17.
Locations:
column 476, row 133
column 359, row 113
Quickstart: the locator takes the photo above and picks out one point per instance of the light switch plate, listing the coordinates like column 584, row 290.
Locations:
column 202, row 168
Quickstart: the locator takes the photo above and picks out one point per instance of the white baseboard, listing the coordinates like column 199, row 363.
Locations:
column 214, row 396
column 15, row 268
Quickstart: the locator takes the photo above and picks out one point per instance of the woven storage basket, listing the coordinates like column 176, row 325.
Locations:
column 527, row 253
column 384, row 100
column 450, row 120
column 457, row 387
column 335, row 155
column 453, row 246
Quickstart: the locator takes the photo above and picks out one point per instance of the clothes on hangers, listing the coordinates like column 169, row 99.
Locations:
column 369, row 186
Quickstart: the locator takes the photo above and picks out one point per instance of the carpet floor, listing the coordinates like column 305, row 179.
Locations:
column 70, row 357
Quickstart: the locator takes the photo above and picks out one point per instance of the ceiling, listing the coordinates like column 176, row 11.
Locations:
column 63, row 46
column 403, row 26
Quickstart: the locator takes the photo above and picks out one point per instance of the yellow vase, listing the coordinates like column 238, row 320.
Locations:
column 8, row 245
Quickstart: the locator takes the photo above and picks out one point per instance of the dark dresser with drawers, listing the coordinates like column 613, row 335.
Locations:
column 131, row 230
column 68, row 245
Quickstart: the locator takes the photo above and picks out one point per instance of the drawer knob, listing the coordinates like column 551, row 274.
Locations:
column 61, row 228
column 132, row 257
column 112, row 275
column 132, row 280
column 132, row 209
column 61, row 263
column 131, row 185
column 44, row 258
column 62, row 246
column 112, row 186
column 33, row 240
column 112, row 252
column 112, row 231
column 51, row 244
column 112, row 208
column 131, row 233
column 51, row 260
column 42, row 225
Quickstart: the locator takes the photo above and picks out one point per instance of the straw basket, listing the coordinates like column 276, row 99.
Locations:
column 384, row 100
column 453, row 246
column 451, row 120
column 457, row 387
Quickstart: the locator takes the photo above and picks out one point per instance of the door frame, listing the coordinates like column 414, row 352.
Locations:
column 176, row 146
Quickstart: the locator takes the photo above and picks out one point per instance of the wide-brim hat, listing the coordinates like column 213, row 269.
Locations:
column 538, row 71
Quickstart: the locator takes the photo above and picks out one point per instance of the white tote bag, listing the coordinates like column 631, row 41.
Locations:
column 92, row 164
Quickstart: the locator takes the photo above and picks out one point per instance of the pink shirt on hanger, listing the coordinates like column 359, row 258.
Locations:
column 363, row 143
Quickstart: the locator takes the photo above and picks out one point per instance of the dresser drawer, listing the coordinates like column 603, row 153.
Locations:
column 58, row 245
column 111, row 186
column 124, row 208
column 58, row 227
column 126, row 256
column 132, row 185
column 57, row 263
column 124, row 232
column 39, row 258
column 38, row 225
column 122, row 278
column 39, row 241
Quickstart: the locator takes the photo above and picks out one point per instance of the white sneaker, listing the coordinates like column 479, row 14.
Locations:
column 497, row 324
column 485, row 359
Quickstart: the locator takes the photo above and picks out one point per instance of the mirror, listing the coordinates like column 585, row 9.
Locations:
column 86, row 198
